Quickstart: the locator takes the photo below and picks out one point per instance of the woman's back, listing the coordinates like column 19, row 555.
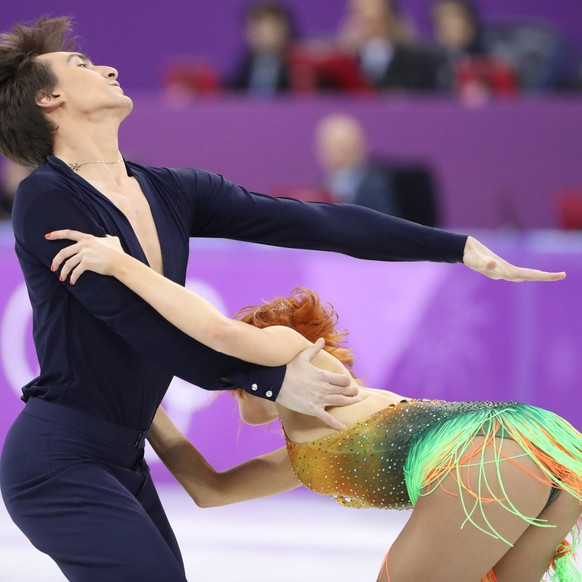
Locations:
column 301, row 428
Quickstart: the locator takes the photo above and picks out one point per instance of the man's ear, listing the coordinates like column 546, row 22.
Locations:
column 50, row 101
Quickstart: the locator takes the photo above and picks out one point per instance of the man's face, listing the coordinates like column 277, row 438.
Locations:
column 454, row 28
column 85, row 88
column 267, row 34
column 340, row 144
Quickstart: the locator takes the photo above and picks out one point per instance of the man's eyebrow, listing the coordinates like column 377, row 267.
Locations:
column 80, row 55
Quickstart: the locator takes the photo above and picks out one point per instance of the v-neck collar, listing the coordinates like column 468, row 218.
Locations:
column 62, row 167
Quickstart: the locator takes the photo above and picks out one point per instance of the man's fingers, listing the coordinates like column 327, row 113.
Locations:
column 519, row 274
column 340, row 400
column 342, row 381
column 535, row 275
column 330, row 420
column 502, row 270
column 312, row 351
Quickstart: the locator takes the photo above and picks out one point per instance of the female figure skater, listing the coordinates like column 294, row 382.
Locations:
column 495, row 486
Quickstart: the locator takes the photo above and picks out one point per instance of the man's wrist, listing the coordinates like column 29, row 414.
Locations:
column 469, row 244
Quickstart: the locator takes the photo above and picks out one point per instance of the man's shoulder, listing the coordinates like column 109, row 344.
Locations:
column 165, row 174
column 43, row 176
column 46, row 190
column 39, row 182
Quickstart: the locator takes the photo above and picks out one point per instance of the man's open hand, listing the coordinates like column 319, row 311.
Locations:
column 309, row 390
column 479, row 258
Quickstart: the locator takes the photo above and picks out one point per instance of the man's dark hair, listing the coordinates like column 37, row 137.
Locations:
column 26, row 134
column 260, row 9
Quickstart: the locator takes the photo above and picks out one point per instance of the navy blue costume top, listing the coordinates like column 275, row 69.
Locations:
column 102, row 349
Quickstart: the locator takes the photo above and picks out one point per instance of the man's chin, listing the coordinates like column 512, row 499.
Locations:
column 128, row 106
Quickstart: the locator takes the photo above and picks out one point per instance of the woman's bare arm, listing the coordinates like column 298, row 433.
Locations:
column 265, row 475
column 189, row 312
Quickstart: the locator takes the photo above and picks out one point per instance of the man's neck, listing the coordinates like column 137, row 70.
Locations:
column 92, row 150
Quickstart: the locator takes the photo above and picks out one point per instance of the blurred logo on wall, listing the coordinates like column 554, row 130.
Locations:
column 16, row 350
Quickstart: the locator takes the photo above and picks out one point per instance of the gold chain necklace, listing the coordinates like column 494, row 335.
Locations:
column 76, row 165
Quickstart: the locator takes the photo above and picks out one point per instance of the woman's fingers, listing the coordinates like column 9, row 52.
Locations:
column 65, row 234
column 88, row 253
column 77, row 272
column 72, row 257
column 63, row 255
column 69, row 265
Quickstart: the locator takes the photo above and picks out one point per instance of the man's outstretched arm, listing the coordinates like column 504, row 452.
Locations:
column 222, row 209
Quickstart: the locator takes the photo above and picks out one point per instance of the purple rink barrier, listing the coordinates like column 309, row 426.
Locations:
column 495, row 166
column 425, row 330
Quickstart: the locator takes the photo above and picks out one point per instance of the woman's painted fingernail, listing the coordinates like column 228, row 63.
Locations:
column 47, row 235
column 61, row 278
column 52, row 267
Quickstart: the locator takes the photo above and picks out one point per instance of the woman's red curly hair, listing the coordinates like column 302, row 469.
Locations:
column 304, row 312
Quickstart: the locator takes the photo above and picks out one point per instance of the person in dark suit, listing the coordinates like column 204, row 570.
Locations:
column 72, row 471
column 351, row 176
column 458, row 33
column 264, row 69
column 378, row 37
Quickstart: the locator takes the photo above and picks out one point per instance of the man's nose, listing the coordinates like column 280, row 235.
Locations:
column 109, row 72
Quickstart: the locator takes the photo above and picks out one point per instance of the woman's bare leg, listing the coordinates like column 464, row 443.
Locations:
column 532, row 553
column 435, row 545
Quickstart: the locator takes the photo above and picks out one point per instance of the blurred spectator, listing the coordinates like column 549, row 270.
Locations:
column 466, row 65
column 379, row 38
column 503, row 57
column 11, row 174
column 457, row 32
column 351, row 176
column 535, row 49
column 269, row 32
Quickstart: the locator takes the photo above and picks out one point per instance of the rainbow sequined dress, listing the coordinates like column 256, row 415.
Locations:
column 387, row 459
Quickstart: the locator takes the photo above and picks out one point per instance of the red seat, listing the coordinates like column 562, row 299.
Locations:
column 324, row 67
column 190, row 78
column 568, row 204
column 493, row 74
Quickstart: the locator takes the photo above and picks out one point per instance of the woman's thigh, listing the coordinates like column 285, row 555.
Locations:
column 439, row 542
column 531, row 555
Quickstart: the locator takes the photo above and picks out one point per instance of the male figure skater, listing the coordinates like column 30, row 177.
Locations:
column 72, row 472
